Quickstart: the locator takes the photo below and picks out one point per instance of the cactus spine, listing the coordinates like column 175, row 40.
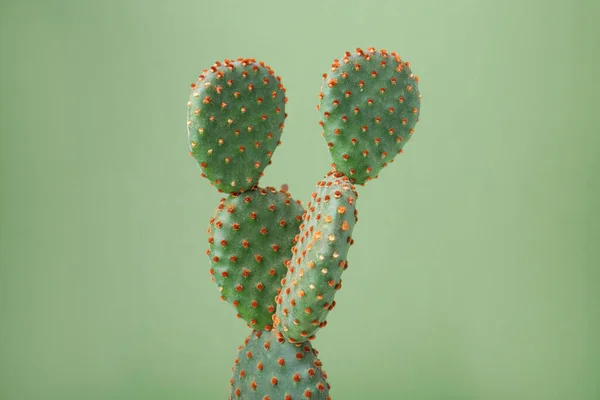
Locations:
column 278, row 264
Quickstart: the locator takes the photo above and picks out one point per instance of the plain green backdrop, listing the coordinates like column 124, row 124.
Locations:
column 476, row 269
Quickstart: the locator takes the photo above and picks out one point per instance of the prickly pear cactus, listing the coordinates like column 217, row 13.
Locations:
column 269, row 368
column 369, row 107
column 236, row 114
column 319, row 259
column 250, row 239
column 279, row 265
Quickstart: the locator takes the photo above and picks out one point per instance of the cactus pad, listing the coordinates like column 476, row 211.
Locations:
column 369, row 105
column 269, row 368
column 250, row 240
column 318, row 261
column 235, row 118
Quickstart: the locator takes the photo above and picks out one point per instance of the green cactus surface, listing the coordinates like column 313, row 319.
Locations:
column 369, row 106
column 250, row 242
column 269, row 368
column 319, row 259
column 235, row 118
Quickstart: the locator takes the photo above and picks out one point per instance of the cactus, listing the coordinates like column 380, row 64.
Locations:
column 369, row 105
column 268, row 367
column 235, row 119
column 279, row 265
column 319, row 259
column 251, row 236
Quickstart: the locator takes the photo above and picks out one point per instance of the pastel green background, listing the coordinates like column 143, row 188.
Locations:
column 475, row 273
